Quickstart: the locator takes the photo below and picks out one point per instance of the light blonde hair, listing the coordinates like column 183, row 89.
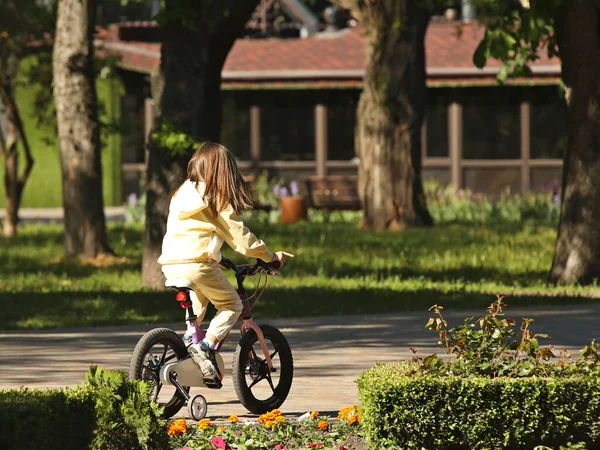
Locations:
column 216, row 166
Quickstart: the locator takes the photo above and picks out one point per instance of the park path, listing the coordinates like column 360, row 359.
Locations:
column 329, row 352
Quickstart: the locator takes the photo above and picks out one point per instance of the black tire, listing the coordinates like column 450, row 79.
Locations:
column 146, row 366
column 250, row 369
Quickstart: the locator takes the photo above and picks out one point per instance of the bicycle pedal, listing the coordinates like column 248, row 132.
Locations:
column 212, row 383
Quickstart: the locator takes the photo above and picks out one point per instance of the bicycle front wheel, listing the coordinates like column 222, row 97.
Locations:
column 156, row 348
column 259, row 389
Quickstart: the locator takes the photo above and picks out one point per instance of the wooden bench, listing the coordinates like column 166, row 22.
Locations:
column 333, row 193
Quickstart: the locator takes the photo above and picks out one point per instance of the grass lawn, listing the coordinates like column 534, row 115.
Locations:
column 44, row 187
column 337, row 270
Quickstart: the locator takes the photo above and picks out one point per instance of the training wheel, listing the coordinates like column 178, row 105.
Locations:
column 197, row 407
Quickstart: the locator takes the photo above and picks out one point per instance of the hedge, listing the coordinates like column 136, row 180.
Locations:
column 108, row 412
column 446, row 412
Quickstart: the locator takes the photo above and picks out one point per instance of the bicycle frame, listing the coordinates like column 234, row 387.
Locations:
column 247, row 321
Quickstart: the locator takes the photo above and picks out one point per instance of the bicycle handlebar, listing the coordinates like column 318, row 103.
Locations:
column 250, row 270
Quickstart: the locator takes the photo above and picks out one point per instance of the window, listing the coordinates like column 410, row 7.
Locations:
column 492, row 123
column 287, row 127
column 341, row 121
column 235, row 128
column 548, row 128
column 436, row 145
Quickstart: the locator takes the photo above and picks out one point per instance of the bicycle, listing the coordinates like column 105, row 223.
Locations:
column 161, row 357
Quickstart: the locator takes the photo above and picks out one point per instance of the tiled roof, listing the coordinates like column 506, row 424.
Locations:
column 326, row 58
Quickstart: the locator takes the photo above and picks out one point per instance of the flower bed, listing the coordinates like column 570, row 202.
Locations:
column 272, row 431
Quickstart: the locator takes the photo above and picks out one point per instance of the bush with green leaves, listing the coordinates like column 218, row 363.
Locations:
column 496, row 388
column 451, row 205
column 108, row 412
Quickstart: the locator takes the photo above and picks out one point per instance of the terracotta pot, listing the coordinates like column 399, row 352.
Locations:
column 293, row 209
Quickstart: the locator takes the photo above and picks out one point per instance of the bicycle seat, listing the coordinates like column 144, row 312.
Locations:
column 180, row 284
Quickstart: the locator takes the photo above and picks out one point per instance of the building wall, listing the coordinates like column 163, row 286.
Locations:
column 486, row 139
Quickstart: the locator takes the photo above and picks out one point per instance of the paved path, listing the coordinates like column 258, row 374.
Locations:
column 329, row 352
column 56, row 215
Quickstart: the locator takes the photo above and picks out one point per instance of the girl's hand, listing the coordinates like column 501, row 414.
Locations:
column 281, row 257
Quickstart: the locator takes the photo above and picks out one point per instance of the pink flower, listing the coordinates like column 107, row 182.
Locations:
column 185, row 448
column 342, row 447
column 315, row 444
column 218, row 442
column 280, row 447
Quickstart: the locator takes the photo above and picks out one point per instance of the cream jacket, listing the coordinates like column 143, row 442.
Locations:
column 195, row 235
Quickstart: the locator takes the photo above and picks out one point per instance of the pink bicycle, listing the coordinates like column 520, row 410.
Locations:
column 262, row 368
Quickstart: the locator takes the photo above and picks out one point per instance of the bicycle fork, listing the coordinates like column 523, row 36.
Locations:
column 248, row 323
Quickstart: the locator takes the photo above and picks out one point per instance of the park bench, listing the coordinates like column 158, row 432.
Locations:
column 333, row 193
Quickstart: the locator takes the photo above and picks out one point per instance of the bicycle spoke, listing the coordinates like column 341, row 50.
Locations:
column 270, row 381
column 255, row 382
column 158, row 387
column 162, row 359
column 274, row 353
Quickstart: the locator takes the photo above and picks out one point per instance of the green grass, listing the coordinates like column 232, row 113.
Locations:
column 337, row 270
column 44, row 187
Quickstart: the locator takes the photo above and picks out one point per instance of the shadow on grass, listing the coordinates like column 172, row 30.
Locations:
column 33, row 310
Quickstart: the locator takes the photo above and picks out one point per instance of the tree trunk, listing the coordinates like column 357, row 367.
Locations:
column 390, row 113
column 577, row 254
column 79, row 129
column 187, row 99
column 11, row 174
column 13, row 182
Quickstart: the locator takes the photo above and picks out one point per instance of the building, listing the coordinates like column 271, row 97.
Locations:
column 289, row 106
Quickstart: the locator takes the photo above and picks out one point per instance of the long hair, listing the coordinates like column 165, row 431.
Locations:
column 216, row 167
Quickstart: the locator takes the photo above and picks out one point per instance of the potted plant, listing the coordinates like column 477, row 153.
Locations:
column 292, row 204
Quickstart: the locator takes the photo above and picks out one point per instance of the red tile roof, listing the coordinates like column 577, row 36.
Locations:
column 328, row 58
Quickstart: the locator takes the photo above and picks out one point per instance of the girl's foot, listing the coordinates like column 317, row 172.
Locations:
column 206, row 359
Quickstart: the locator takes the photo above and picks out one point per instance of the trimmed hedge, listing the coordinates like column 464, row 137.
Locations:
column 109, row 412
column 435, row 412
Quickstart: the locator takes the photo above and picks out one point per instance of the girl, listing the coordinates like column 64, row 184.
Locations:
column 202, row 215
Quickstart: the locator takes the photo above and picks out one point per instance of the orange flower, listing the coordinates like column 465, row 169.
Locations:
column 222, row 428
column 204, row 424
column 322, row 425
column 314, row 414
column 346, row 412
column 271, row 418
column 177, row 427
column 352, row 419
column 233, row 419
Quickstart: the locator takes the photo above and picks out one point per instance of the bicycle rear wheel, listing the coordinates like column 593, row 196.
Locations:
column 156, row 348
column 257, row 388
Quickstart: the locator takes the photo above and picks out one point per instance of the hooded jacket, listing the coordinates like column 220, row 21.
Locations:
column 194, row 235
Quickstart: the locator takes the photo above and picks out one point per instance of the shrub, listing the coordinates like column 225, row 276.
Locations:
column 451, row 205
column 498, row 389
column 401, row 410
column 109, row 412
column 46, row 419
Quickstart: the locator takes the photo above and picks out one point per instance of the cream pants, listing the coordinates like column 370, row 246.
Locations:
column 210, row 284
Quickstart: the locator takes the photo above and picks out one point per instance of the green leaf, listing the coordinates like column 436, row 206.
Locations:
column 481, row 54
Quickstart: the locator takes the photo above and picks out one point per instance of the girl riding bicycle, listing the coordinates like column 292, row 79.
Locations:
column 202, row 215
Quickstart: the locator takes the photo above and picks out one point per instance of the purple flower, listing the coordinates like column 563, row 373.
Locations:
column 283, row 192
column 277, row 190
column 556, row 199
column 132, row 199
column 295, row 188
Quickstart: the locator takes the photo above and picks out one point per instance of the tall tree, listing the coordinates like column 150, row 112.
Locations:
column 390, row 112
column 196, row 38
column 23, row 29
column 515, row 33
column 79, row 128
